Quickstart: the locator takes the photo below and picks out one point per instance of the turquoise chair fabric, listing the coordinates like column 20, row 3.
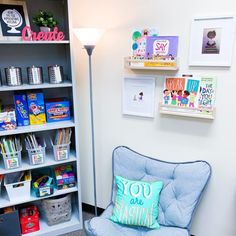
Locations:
column 183, row 187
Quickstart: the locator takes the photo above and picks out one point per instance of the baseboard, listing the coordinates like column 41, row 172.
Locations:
column 91, row 209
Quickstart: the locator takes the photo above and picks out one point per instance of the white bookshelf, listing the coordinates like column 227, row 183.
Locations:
column 45, row 53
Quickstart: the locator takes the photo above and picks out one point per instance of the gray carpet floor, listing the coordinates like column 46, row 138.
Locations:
column 86, row 216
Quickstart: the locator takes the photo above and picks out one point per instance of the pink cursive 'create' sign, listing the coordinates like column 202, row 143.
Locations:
column 55, row 35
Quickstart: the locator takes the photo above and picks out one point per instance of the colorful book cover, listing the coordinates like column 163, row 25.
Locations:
column 181, row 92
column 139, row 37
column 173, row 91
column 193, row 94
column 162, row 46
column 207, row 93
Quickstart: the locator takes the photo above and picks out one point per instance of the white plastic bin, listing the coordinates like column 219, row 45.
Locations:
column 37, row 155
column 12, row 160
column 17, row 190
column 61, row 152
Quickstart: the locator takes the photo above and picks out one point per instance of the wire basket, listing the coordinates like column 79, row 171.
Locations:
column 57, row 210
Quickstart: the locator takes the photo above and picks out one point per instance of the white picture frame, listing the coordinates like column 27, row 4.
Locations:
column 13, row 30
column 139, row 96
column 211, row 41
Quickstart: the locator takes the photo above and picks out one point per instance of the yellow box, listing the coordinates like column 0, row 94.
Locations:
column 36, row 108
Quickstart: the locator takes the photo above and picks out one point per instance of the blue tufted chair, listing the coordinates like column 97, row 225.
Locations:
column 183, row 186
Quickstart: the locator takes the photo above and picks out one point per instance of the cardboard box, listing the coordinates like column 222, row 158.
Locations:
column 36, row 108
column 57, row 110
column 29, row 219
column 21, row 107
column 8, row 118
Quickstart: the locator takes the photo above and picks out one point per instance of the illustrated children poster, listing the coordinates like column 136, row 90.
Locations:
column 139, row 96
column 162, row 46
column 191, row 93
column 139, row 37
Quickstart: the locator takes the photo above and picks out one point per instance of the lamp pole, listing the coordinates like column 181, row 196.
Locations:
column 89, row 49
column 88, row 37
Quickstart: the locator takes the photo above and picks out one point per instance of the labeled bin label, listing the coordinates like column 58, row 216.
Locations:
column 44, row 191
column 12, row 163
column 62, row 154
column 37, row 158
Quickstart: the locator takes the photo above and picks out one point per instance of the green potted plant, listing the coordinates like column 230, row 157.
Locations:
column 45, row 20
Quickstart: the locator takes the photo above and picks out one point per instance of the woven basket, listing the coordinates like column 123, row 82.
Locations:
column 57, row 210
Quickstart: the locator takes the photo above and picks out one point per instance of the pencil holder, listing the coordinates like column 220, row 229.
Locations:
column 12, row 160
column 36, row 155
column 61, row 152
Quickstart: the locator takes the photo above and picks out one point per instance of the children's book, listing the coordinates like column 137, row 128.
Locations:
column 162, row 47
column 193, row 94
column 207, row 93
column 139, row 37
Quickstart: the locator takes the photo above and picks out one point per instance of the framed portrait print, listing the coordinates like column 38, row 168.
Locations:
column 139, row 96
column 13, row 18
column 211, row 42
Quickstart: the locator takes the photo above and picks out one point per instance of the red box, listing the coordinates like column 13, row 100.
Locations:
column 29, row 219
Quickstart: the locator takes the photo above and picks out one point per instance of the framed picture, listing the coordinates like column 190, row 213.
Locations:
column 211, row 42
column 13, row 18
column 139, row 96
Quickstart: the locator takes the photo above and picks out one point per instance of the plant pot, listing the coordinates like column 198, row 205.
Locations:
column 44, row 29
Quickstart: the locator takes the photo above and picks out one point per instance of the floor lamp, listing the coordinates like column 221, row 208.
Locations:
column 89, row 37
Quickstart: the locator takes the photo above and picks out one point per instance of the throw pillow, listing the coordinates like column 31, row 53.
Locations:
column 136, row 203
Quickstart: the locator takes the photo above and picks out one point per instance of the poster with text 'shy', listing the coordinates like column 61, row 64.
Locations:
column 207, row 93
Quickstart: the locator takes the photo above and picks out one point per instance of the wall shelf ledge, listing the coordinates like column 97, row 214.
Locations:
column 187, row 112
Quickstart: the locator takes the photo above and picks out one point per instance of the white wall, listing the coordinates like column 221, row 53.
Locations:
column 165, row 137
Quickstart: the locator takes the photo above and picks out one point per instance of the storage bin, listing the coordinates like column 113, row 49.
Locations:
column 61, row 152
column 36, row 155
column 12, row 160
column 42, row 191
column 10, row 224
column 57, row 210
column 29, row 219
column 18, row 189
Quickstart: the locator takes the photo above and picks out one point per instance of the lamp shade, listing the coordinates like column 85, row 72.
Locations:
column 88, row 36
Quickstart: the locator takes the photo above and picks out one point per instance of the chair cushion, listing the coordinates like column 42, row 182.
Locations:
column 183, row 183
column 103, row 226
column 136, row 203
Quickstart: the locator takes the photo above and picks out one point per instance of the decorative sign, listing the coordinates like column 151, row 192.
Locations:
column 55, row 35
column 13, row 18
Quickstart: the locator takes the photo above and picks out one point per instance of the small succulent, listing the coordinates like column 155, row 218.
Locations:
column 45, row 19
